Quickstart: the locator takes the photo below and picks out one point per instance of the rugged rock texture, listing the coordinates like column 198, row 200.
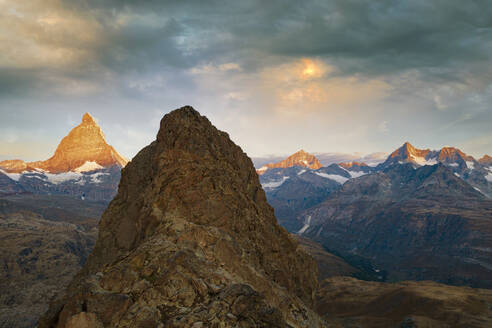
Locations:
column 42, row 246
column 301, row 158
column 356, row 303
column 190, row 241
column 419, row 224
column 83, row 166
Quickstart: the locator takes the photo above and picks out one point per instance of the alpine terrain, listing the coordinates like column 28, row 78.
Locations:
column 190, row 241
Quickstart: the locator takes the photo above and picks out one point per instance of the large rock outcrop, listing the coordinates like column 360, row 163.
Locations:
column 190, row 241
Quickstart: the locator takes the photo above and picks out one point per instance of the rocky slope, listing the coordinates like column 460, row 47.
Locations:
column 355, row 303
column 44, row 241
column 83, row 166
column 422, row 223
column 294, row 189
column 190, row 241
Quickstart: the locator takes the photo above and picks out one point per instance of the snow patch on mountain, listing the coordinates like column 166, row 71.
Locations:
column 470, row 165
column 13, row 176
column 95, row 178
column 335, row 177
column 263, row 168
column 274, row 184
column 62, row 177
column 422, row 161
column 88, row 166
column 306, row 225
column 353, row 174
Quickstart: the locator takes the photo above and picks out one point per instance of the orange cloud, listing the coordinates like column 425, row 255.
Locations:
column 306, row 85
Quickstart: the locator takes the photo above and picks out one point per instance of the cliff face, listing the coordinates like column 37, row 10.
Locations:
column 190, row 241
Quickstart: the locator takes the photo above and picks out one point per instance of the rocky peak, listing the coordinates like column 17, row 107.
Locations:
column 350, row 165
column 407, row 151
column 485, row 160
column 300, row 158
column 87, row 119
column 85, row 143
column 451, row 154
column 190, row 241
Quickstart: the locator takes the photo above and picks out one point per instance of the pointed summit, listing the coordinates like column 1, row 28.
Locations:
column 190, row 238
column 84, row 144
column 300, row 158
column 87, row 119
column 84, row 148
column 408, row 152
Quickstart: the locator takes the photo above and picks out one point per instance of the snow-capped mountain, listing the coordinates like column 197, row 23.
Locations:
column 300, row 158
column 477, row 173
column 83, row 165
column 299, row 186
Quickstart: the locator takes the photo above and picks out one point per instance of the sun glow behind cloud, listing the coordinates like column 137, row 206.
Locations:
column 353, row 74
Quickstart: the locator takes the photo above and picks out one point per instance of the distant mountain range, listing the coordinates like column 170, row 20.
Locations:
column 83, row 165
column 327, row 159
column 420, row 214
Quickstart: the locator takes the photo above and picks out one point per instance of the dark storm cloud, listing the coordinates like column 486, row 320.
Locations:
column 449, row 39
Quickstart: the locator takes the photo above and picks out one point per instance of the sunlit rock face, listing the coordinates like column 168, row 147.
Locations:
column 85, row 143
column 301, row 158
column 190, row 241
column 83, row 165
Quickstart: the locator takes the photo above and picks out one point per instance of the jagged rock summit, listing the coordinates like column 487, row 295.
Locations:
column 84, row 145
column 190, row 241
column 300, row 158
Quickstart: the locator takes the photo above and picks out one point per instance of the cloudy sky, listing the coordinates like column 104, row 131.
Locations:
column 327, row 76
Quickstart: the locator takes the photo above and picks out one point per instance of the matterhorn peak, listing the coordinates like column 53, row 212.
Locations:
column 85, row 146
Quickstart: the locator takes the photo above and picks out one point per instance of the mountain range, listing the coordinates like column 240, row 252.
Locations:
column 418, row 215
column 189, row 240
